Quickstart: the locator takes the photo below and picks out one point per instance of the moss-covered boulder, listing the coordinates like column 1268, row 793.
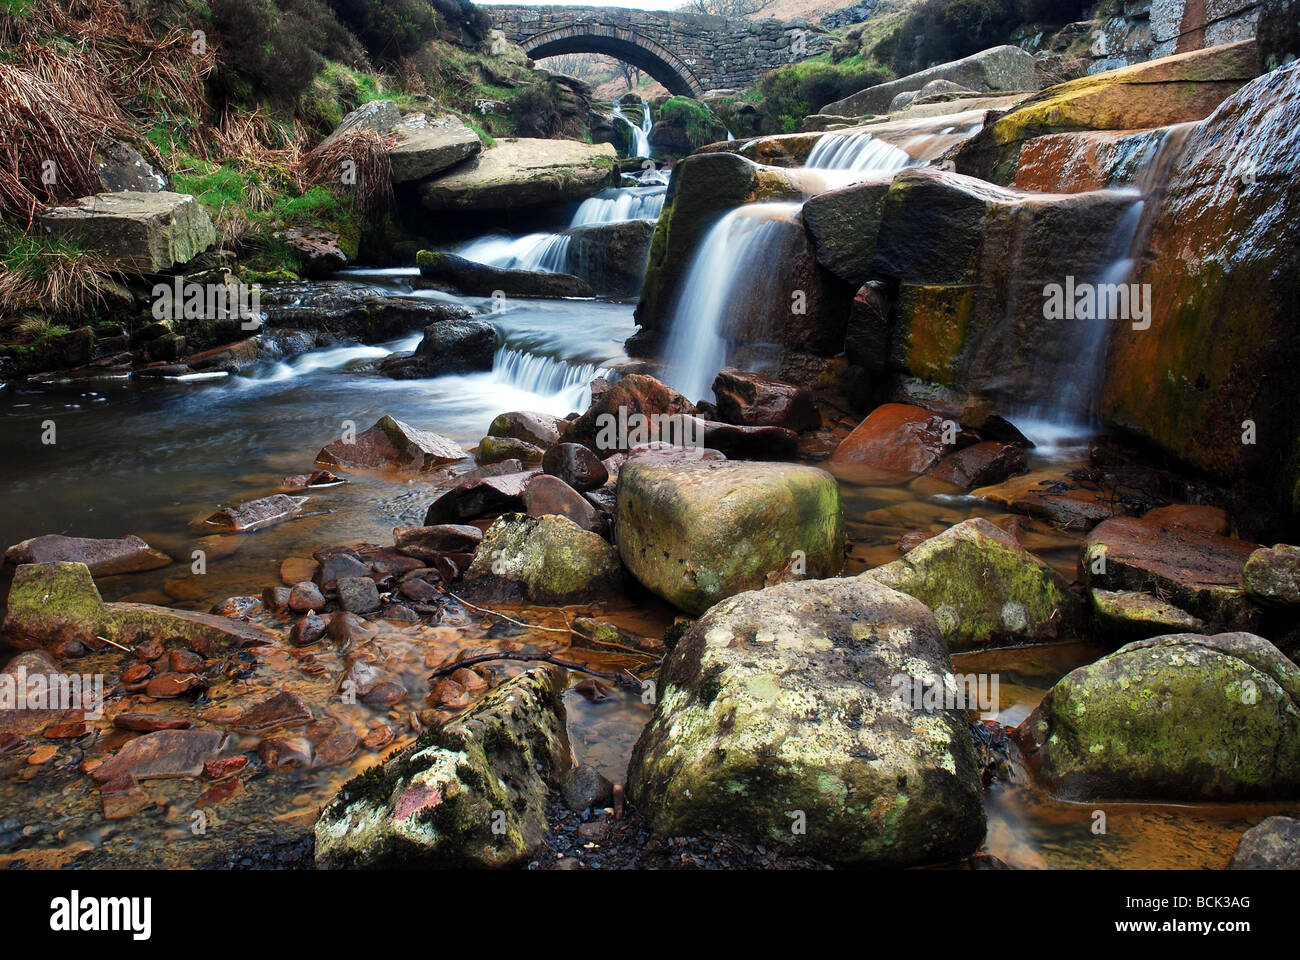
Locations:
column 984, row 588
column 1154, row 93
column 695, row 532
column 470, row 793
column 778, row 718
column 1271, row 576
column 548, row 560
column 1177, row 717
column 53, row 603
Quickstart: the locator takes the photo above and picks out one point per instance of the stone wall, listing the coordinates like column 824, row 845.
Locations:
column 1146, row 29
column 688, row 53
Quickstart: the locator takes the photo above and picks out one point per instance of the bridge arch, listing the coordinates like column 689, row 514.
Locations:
column 622, row 44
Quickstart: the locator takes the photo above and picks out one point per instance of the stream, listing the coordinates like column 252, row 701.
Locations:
column 156, row 459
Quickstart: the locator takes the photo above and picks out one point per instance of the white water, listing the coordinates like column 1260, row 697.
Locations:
column 1070, row 414
column 624, row 203
column 723, row 282
column 565, row 383
column 640, row 133
column 534, row 251
column 857, row 152
column 729, row 273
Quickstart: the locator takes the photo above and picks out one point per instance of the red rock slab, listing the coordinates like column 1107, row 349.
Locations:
column 285, row 709
column 161, row 755
column 102, row 557
column 149, row 722
column 896, row 437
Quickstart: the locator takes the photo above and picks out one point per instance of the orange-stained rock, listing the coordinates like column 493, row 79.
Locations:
column 896, row 437
column 1221, row 356
column 980, row 464
column 1155, row 93
column 1199, row 572
column 1197, row 516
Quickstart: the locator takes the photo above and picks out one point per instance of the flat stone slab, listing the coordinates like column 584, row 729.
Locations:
column 102, row 557
column 520, row 172
column 162, row 755
column 139, row 232
column 256, row 514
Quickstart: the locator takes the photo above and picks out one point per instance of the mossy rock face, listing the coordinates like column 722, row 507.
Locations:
column 984, row 588
column 696, row 532
column 1223, row 262
column 52, row 603
column 1129, row 615
column 1155, row 93
column 467, row 794
column 703, row 187
column 780, row 708
column 1177, row 717
column 549, row 560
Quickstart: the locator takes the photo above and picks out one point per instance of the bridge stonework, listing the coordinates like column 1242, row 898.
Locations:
column 688, row 53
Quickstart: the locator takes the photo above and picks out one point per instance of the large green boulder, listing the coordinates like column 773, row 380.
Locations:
column 548, row 560
column 779, row 718
column 984, row 588
column 1178, row 717
column 695, row 532
column 470, row 793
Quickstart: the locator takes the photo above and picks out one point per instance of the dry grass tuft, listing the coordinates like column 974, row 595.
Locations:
column 356, row 161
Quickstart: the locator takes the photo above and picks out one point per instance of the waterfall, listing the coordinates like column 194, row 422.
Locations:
column 858, row 152
column 735, row 273
column 534, row 251
column 1070, row 407
column 640, row 134
column 619, row 204
column 731, row 273
column 546, row 376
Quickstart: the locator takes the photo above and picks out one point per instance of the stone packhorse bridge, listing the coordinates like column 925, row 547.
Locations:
column 688, row 53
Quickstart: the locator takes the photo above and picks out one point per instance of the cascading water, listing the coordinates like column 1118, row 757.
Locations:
column 570, row 383
column 624, row 203
column 730, row 273
column 1070, row 409
column 640, row 133
column 535, row 251
column 858, row 152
